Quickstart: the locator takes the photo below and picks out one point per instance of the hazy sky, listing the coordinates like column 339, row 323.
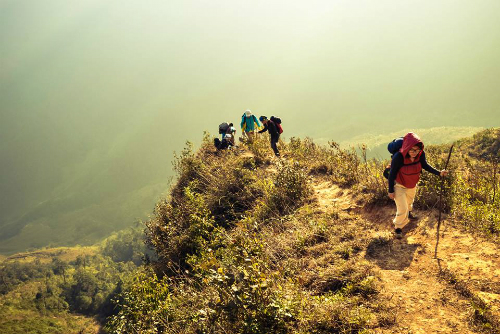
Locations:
column 99, row 93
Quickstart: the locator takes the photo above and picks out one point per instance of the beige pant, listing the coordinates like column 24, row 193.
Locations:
column 250, row 135
column 404, row 203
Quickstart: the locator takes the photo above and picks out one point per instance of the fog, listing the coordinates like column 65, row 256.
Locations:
column 96, row 95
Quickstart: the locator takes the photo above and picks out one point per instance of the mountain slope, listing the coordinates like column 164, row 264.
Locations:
column 251, row 244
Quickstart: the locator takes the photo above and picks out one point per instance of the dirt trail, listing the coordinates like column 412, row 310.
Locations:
column 425, row 303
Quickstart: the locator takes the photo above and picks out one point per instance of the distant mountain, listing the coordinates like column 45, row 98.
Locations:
column 66, row 289
column 376, row 143
column 63, row 221
column 483, row 145
column 106, row 189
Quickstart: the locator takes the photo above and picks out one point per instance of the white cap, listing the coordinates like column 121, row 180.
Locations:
column 248, row 113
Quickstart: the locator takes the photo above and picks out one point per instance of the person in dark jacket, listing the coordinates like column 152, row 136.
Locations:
column 406, row 167
column 273, row 133
column 229, row 134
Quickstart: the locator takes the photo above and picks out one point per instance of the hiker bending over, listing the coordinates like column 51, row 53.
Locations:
column 229, row 134
column 274, row 133
column 249, row 123
column 227, row 131
column 406, row 166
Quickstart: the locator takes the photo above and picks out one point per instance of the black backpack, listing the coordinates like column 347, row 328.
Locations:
column 223, row 128
column 276, row 120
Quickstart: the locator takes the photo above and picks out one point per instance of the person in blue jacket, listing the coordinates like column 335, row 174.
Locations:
column 249, row 123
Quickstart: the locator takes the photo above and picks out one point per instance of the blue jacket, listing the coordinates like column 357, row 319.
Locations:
column 248, row 123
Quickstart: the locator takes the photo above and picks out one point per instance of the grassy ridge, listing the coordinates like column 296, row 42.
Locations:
column 243, row 248
column 238, row 242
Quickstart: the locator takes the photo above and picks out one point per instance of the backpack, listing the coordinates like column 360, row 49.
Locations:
column 393, row 147
column 223, row 128
column 277, row 122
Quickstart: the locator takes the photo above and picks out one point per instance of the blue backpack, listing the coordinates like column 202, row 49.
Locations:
column 395, row 145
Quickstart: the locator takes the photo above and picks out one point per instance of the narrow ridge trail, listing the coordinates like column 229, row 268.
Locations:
column 412, row 278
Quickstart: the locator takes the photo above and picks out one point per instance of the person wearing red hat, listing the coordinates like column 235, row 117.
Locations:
column 406, row 167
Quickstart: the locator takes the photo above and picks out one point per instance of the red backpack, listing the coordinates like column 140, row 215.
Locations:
column 277, row 121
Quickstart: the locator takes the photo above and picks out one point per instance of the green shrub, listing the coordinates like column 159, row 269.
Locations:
column 126, row 245
column 145, row 306
column 475, row 206
column 261, row 150
column 180, row 228
column 290, row 189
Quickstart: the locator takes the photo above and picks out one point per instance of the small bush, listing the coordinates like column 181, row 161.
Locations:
column 290, row 188
column 145, row 306
column 181, row 228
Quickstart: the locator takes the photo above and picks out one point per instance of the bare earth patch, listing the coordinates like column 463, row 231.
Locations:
column 423, row 300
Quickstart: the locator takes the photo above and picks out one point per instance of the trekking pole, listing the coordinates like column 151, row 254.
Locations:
column 441, row 202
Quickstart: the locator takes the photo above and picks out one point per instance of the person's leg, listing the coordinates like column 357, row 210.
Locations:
column 410, row 197
column 401, row 218
column 250, row 135
column 274, row 146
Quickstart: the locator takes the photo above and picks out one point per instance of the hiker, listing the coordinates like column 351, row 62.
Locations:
column 273, row 127
column 221, row 144
column 248, row 124
column 229, row 134
column 227, row 131
column 406, row 166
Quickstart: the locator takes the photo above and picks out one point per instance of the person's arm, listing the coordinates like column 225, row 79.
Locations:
column 256, row 121
column 427, row 167
column 243, row 123
column 396, row 164
column 265, row 128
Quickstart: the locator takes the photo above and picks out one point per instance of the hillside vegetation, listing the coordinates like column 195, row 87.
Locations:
column 66, row 290
column 251, row 244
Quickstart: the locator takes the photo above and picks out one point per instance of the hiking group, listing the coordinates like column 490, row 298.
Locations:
column 407, row 161
column 249, row 125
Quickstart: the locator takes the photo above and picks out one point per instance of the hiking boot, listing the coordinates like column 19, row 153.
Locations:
column 399, row 233
column 412, row 216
